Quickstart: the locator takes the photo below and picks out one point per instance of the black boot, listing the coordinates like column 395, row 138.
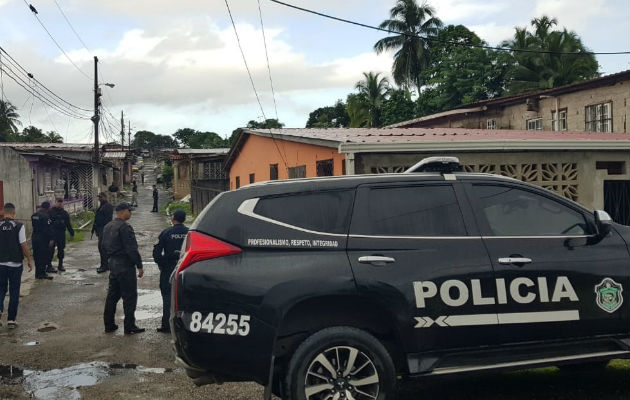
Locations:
column 60, row 266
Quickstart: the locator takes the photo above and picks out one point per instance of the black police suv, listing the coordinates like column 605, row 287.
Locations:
column 334, row 288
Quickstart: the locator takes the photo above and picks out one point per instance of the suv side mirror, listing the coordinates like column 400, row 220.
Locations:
column 603, row 223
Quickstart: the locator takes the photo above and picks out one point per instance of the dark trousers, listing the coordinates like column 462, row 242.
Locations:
column 165, row 288
column 101, row 250
column 41, row 254
column 122, row 284
column 13, row 277
column 60, row 245
column 155, row 205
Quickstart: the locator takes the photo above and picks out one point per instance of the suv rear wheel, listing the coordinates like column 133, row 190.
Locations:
column 340, row 363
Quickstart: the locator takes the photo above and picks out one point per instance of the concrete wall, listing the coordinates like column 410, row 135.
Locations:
column 17, row 177
column 571, row 174
column 515, row 116
column 258, row 153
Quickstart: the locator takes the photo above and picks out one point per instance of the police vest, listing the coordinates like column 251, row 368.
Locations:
column 11, row 249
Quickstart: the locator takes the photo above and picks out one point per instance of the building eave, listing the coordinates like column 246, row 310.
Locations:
column 486, row 146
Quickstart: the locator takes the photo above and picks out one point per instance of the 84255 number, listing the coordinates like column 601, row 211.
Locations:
column 220, row 324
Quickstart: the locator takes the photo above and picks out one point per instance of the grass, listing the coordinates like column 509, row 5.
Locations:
column 79, row 220
column 612, row 383
column 169, row 208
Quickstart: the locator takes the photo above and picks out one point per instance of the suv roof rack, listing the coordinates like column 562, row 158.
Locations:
column 445, row 165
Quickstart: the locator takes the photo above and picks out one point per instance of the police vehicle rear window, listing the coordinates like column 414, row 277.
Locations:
column 412, row 211
column 317, row 211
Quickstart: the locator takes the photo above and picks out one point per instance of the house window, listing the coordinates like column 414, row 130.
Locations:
column 238, row 182
column 491, row 124
column 325, row 167
column 559, row 124
column 297, row 172
column 598, row 118
column 252, row 178
column 534, row 124
column 273, row 172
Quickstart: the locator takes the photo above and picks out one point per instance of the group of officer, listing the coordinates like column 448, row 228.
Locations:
column 118, row 250
column 49, row 232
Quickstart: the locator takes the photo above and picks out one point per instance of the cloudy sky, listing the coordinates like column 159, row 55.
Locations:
column 177, row 64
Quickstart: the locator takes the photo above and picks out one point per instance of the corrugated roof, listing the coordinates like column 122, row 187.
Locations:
column 402, row 135
column 49, row 146
column 114, row 154
column 201, row 151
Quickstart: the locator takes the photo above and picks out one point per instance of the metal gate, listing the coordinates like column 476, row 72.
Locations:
column 617, row 201
column 81, row 181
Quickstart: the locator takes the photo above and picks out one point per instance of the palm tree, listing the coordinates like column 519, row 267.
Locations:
column 8, row 120
column 358, row 111
column 412, row 49
column 533, row 71
column 374, row 91
column 53, row 137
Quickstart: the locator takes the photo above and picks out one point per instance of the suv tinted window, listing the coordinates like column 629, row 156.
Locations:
column 412, row 211
column 323, row 211
column 515, row 212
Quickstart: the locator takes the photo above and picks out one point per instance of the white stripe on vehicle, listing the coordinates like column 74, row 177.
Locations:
column 498, row 319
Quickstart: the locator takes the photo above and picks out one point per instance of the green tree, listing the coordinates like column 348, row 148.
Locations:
column 143, row 139
column 415, row 22
column 9, row 121
column 31, row 134
column 399, row 107
column 374, row 91
column 358, row 111
column 329, row 117
column 460, row 72
column 53, row 137
column 185, row 135
column 268, row 124
column 167, row 175
column 548, row 69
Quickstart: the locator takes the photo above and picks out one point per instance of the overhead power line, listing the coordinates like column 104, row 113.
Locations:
column 254, row 86
column 273, row 93
column 44, row 87
column 35, row 14
column 498, row 48
column 19, row 81
column 71, row 27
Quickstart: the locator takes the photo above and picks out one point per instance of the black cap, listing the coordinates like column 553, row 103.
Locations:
column 179, row 215
column 123, row 206
column 45, row 205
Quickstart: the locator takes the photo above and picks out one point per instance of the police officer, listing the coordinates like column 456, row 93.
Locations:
column 12, row 253
column 60, row 223
column 155, row 199
column 42, row 240
column 166, row 254
column 103, row 216
column 134, row 194
column 121, row 248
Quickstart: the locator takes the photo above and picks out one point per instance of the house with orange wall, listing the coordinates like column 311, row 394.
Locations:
column 263, row 155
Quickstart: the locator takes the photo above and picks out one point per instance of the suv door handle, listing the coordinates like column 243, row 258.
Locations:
column 514, row 260
column 376, row 260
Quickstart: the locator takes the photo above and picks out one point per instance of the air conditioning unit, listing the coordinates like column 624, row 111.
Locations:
column 531, row 104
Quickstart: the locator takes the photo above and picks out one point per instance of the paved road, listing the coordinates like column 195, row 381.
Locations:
column 76, row 352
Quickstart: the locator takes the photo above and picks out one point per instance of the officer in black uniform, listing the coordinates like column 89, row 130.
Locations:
column 103, row 216
column 121, row 248
column 60, row 223
column 42, row 240
column 166, row 254
column 155, row 199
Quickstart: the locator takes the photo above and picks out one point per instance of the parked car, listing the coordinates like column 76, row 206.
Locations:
column 331, row 288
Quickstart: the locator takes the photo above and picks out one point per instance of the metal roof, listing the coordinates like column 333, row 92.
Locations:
column 49, row 146
column 114, row 154
column 201, row 151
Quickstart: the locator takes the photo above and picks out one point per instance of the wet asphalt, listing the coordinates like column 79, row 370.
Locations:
column 59, row 349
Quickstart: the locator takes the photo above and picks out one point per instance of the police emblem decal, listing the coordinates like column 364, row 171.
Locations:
column 608, row 295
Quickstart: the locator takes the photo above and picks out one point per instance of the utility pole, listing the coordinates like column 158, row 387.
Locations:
column 122, row 131
column 96, row 116
column 129, row 134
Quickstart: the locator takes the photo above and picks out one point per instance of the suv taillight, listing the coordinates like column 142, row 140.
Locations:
column 199, row 247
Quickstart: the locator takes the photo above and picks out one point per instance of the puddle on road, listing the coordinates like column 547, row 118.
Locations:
column 63, row 384
column 149, row 304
